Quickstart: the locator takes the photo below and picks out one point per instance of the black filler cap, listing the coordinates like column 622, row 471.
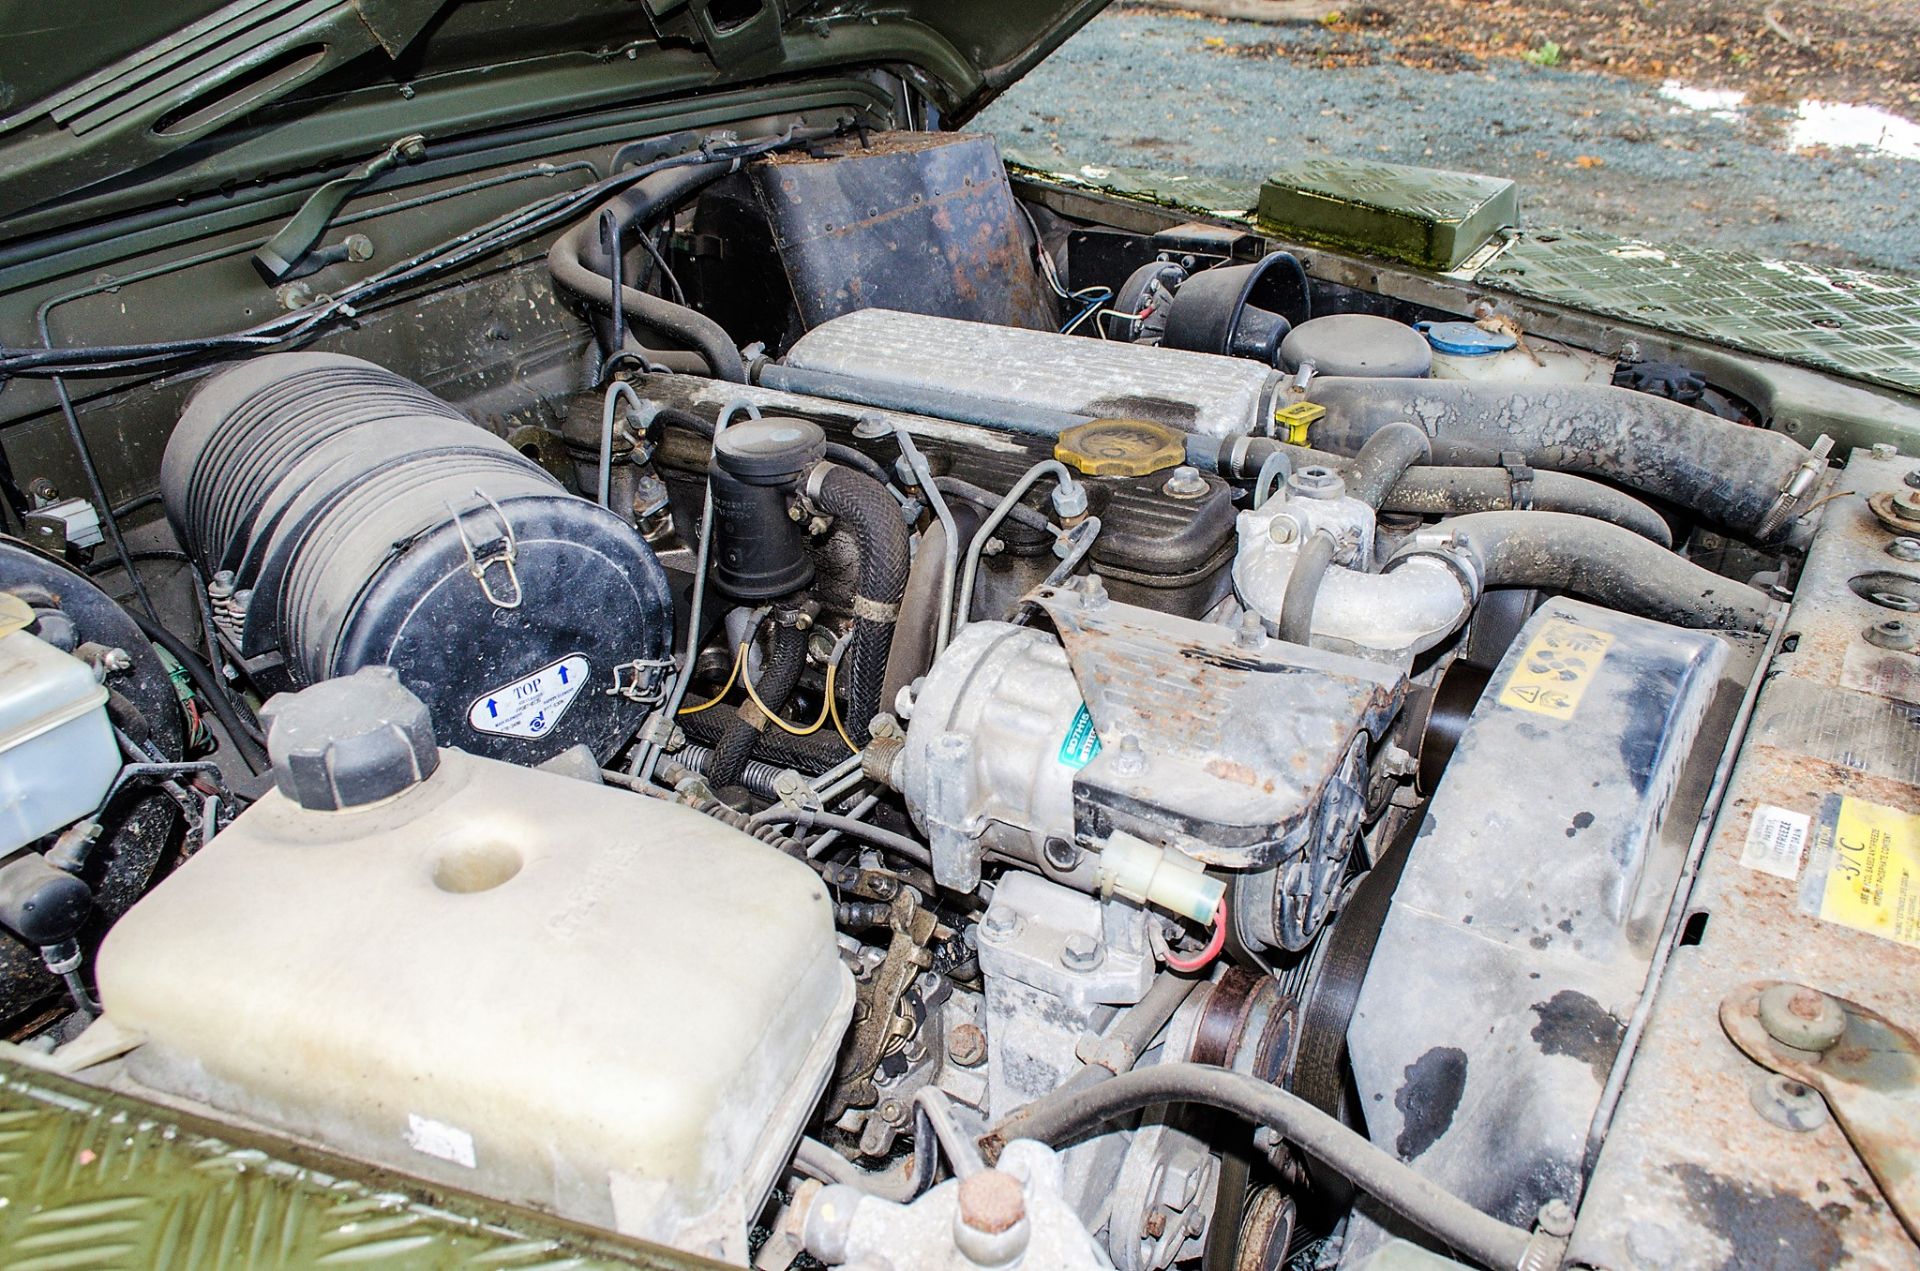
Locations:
column 770, row 451
column 348, row 742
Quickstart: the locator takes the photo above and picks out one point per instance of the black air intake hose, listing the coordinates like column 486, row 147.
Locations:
column 577, row 258
column 1728, row 474
column 865, row 507
column 786, row 658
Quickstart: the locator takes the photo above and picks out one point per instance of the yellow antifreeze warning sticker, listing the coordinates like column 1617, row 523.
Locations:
column 1866, row 868
column 1556, row 668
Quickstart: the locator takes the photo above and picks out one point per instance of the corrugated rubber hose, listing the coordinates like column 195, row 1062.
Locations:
column 880, row 535
column 786, row 659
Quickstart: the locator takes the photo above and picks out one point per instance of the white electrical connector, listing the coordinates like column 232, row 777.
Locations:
column 1146, row 874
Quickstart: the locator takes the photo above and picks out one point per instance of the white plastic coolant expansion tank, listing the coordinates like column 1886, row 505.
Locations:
column 547, row 991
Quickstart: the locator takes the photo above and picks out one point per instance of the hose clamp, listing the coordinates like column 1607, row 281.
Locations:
column 1449, row 550
column 1519, row 479
column 501, row 550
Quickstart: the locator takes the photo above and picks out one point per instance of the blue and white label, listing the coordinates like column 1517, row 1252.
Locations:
column 1081, row 743
column 532, row 704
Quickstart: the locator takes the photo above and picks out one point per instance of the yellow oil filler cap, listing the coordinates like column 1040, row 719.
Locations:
column 1121, row 447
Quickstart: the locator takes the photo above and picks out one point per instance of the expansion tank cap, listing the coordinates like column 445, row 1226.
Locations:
column 348, row 742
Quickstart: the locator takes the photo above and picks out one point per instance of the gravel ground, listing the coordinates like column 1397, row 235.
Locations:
column 1227, row 100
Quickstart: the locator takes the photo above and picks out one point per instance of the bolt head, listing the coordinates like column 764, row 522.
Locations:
column 1185, row 483
column 1884, row 450
column 1904, row 548
column 1283, row 530
column 967, row 1046
column 1556, row 1218
column 999, row 923
column 1081, row 952
column 1913, row 478
column 991, row 1201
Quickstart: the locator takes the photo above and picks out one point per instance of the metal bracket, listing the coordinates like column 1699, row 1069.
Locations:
column 280, row 256
column 1866, row 1066
column 642, row 680
column 505, row 554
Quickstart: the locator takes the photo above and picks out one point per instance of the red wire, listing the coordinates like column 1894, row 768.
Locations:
column 1218, row 942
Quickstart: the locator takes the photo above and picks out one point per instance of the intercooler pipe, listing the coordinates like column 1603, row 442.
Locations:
column 1382, row 461
column 1732, row 475
column 578, row 263
column 880, row 536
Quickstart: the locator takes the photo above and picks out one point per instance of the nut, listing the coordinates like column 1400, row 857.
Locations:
column 1891, row 633
column 1128, row 759
column 1904, row 548
column 1789, row 1104
column 1912, row 478
column 1885, row 450
column 1800, row 1017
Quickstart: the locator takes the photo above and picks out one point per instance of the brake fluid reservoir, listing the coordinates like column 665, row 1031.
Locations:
column 517, row 983
column 58, row 757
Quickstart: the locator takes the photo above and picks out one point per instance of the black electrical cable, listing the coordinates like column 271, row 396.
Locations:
column 666, row 270
column 484, row 240
column 251, row 752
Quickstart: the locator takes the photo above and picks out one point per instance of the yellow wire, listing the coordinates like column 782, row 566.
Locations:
column 782, row 724
column 739, row 660
column 833, row 708
column 829, row 709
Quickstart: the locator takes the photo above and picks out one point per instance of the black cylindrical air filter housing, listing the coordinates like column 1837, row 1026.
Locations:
column 759, row 553
column 365, row 522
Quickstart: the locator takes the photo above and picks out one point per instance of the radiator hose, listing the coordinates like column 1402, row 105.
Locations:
column 1382, row 461
column 1066, row 1115
column 880, row 536
column 1725, row 472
